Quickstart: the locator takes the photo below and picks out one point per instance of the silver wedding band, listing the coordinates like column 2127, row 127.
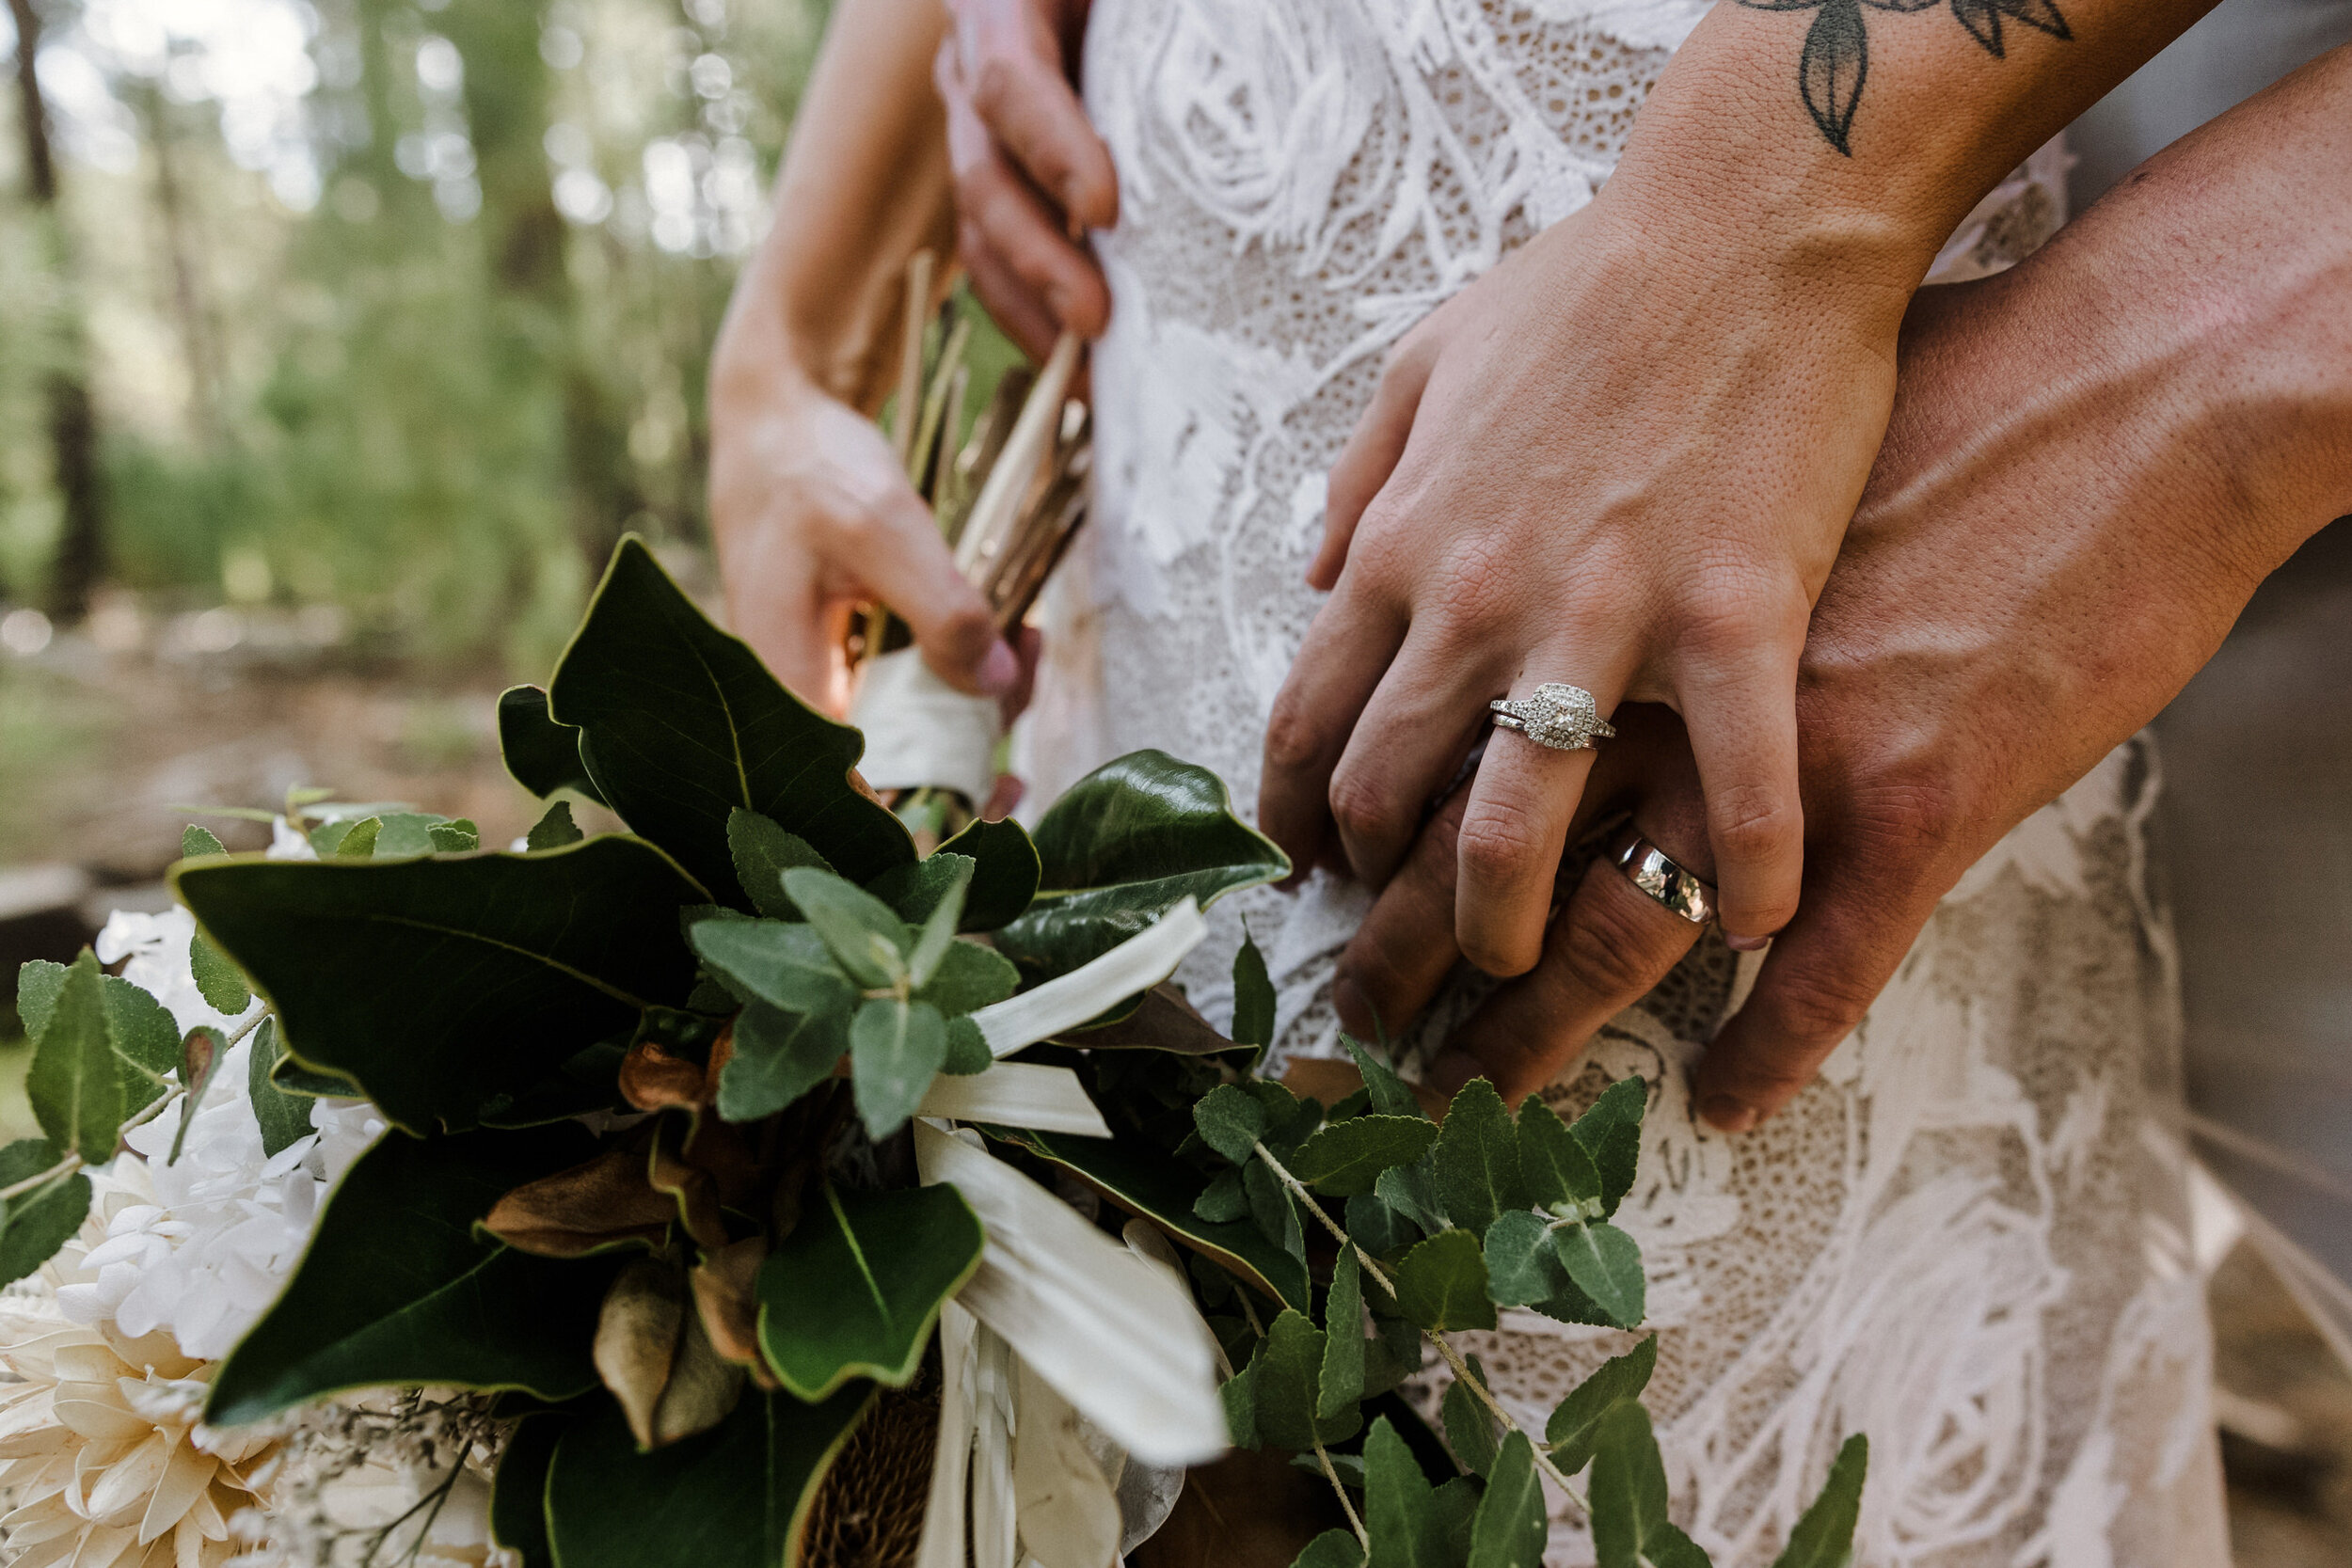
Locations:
column 1649, row 868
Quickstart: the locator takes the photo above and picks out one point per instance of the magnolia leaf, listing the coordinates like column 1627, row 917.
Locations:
column 1556, row 1168
column 778, row 1057
column 1253, row 995
column 853, row 1290
column 763, row 852
column 588, row 1081
column 1333, row 1548
column 195, row 840
column 285, row 1118
column 1442, row 1284
column 542, row 755
column 1161, row 1020
column 1521, row 1266
column 35, row 1224
column 916, row 891
column 1341, row 1382
column 895, row 1051
column 680, row 723
column 1231, row 1122
column 637, row 1339
column 1286, row 1373
column 1824, row 1534
column 518, row 1495
column 966, row 977
column 1510, row 1526
column 967, row 1049
column 1005, row 874
column 1469, row 1427
column 1478, row 1159
column 1628, row 1497
column 435, row 984
column 864, row 934
column 75, row 1080
column 1346, row 1158
column 398, row 1289
column 200, row 1056
column 217, row 979
column 788, row 967
column 1411, row 1524
column 1575, row 1423
column 1124, row 846
column 1606, row 1264
column 554, row 829
column 1610, row 1132
column 1391, row 1095
column 1273, row 1209
column 603, row 1203
column 734, row 1496
column 938, row 929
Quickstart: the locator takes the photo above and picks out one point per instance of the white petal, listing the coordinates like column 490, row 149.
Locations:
column 1138, row 963
column 1017, row 1094
column 993, row 1520
column 120, row 1496
column 183, row 1480
column 1068, row 1516
column 942, row 1542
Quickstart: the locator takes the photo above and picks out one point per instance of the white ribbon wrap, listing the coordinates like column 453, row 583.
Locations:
column 923, row 734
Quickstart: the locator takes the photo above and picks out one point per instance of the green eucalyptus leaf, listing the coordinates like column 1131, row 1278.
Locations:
column 967, row 1049
column 285, row 1118
column 1824, row 1534
column 35, row 1224
column 853, row 1290
column 1521, row 1266
column 1333, row 1548
column 1628, row 1497
column 1340, row 1382
column 967, row 978
column 1124, row 846
column 38, row 982
column 763, row 852
column 1469, row 1428
column 1576, row 1422
column 1346, row 1158
column 1273, row 1208
column 1512, row 1523
column 518, row 1495
column 734, row 1496
column 1005, row 875
column 541, row 754
column 1442, row 1284
column 195, row 840
column 1555, row 1166
column 1231, row 1122
column 397, row 1288
column 778, row 1057
column 76, row 1082
column 437, row 984
column 1478, row 1159
column 787, row 967
column 1412, row 1525
column 865, row 935
column 1606, row 1264
column 1286, row 1375
column 680, row 724
column 896, row 1049
column 1610, row 1132
column 1253, row 995
column 218, row 980
column 554, row 829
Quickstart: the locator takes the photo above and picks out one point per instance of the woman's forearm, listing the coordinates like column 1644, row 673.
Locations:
column 864, row 186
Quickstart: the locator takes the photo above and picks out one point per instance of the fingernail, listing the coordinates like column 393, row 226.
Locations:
column 1000, row 672
column 1746, row 945
column 1728, row 1113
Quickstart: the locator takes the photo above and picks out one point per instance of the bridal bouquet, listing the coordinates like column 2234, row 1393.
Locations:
column 747, row 1188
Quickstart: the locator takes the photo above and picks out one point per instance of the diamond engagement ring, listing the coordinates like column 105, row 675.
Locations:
column 1563, row 718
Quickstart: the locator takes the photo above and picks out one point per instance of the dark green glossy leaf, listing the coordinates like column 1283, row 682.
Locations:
column 1122, row 848
column 308, row 1083
column 853, row 1290
column 763, row 852
column 76, row 1082
column 1412, row 1524
column 1610, row 1132
column 1555, row 1166
column 541, row 754
column 1521, row 1266
column 554, row 829
column 734, row 1496
column 1470, row 1431
column 865, row 935
column 1006, row 875
column 284, row 1117
column 1341, row 1384
column 35, row 1224
column 217, row 979
column 195, row 840
column 1572, row 1428
column 1606, row 1264
column 398, row 1289
column 1333, row 1548
column 680, row 724
column 1231, row 1122
column 786, row 966
column 1510, row 1526
column 1824, row 1534
column 518, row 1495
column 1346, row 1158
column 1629, row 1497
column 435, row 984
column 1442, row 1284
column 1391, row 1095
column 1478, row 1159
column 1253, row 995
column 779, row 1056
column 895, row 1051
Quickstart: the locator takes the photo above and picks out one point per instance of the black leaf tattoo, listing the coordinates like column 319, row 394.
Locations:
column 1837, row 58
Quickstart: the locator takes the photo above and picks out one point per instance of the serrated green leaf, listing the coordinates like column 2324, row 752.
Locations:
column 895, row 1051
column 518, row 1495
column 787, row 967
column 554, row 829
column 680, row 723
column 1521, row 1266
column 285, row 1118
column 413, row 832
column 459, row 836
column 542, row 755
column 1122, row 847
column 762, row 852
column 1628, row 1497
column 145, row 1037
column 1512, row 1526
column 1412, row 1525
column 1231, row 1122
column 356, row 841
column 1346, row 1158
column 398, row 1289
column 865, row 935
column 1469, row 1429
column 967, row 1049
column 437, row 984
column 1223, row 1198
column 1478, row 1159
column 195, row 840
column 1412, row 1191
column 1372, row 1224
column 37, row 984
column 1253, row 995
column 75, row 1080
column 967, row 978
column 778, row 1057
column 35, row 1224
column 1289, row 1119
column 1824, row 1537
column 1610, row 1132
column 218, row 980
column 1238, row 1394
column 1287, row 1372
column 1571, row 1430
column 1273, row 1209
column 1556, row 1168
column 1342, row 1382
column 200, row 1056
column 1333, row 1548
column 853, row 1290
column 1606, row 1264
column 734, row 1496
column 1391, row 1095
column 1442, row 1284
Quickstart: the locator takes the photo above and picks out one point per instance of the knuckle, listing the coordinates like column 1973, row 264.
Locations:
column 1362, row 805
column 1492, row 848
column 1293, row 738
column 1607, row 947
column 996, row 82
column 1752, row 822
column 1818, row 1008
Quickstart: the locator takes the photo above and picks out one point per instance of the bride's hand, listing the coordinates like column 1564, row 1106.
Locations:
column 1611, row 462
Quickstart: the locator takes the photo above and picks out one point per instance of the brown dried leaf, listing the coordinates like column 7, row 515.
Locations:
column 605, row 1202
column 653, row 1080
column 726, row 1296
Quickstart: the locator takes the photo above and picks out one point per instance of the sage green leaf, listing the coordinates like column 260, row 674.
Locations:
column 939, row 925
column 1273, row 1208
column 1285, row 1374
column 865, row 935
column 967, row 1049
column 1253, row 995
column 1442, row 1284
column 1478, row 1159
column 1289, row 1119
column 967, row 978
column 1610, row 1132
column 146, row 1040
column 1222, row 1198
column 1378, row 1228
column 1340, row 1382
column 75, row 1080
column 786, row 966
column 1231, row 1122
column 1346, row 1158
column 37, row 981
column 1333, row 1548
column 680, row 723
column 1412, row 1191
column 1606, row 1264
column 916, row 891
column 1556, row 1167
column 1122, row 848
column 734, row 1496
column 542, row 755
column 1238, row 1394
column 217, row 979
column 1391, row 1095
column 285, row 1118
column 1147, row 1181
column 458, row 836
column 1521, row 1266
column 1412, row 1525
column 554, row 829
column 437, row 984
column 1510, row 1526
column 518, row 1495
column 397, row 1288
column 1006, row 871
column 348, row 839
column 853, row 1290
column 778, row 1057
column 200, row 1056
column 763, row 852
column 895, row 1051
column 1469, row 1428
column 1576, row 1421
column 1824, row 1534
column 195, row 840
column 400, row 833
column 1628, row 1497
column 35, row 1224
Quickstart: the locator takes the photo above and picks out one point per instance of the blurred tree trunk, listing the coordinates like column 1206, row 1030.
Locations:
column 72, row 428
column 199, row 336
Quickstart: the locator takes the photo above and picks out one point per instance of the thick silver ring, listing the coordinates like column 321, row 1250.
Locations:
column 1563, row 718
column 1673, row 888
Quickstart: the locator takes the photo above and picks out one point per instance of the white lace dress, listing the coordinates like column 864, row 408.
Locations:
column 1969, row 1237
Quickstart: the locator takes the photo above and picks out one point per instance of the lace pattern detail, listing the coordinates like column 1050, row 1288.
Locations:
column 1968, row 1238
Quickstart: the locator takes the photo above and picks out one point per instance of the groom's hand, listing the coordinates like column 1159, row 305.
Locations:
column 2093, row 460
